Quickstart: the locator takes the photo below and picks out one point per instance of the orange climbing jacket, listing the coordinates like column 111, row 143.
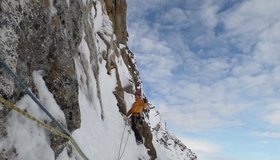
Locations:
column 137, row 107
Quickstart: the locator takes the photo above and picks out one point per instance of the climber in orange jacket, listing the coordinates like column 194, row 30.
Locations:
column 136, row 118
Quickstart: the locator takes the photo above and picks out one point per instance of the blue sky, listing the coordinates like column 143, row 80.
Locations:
column 212, row 67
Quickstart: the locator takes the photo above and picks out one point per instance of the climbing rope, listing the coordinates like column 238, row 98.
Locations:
column 30, row 94
column 44, row 125
column 121, row 142
column 27, row 91
column 124, row 146
column 29, row 116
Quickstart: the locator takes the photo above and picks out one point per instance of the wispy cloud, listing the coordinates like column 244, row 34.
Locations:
column 268, row 134
column 211, row 64
column 199, row 145
column 209, row 14
column 205, row 149
column 246, row 23
column 223, row 80
column 274, row 118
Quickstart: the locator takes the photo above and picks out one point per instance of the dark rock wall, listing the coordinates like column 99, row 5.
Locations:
column 10, row 13
column 48, row 41
column 116, row 10
column 42, row 35
column 148, row 136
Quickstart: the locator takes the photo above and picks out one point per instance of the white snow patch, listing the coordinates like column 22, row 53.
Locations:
column 101, row 45
column 84, row 2
column 122, row 46
column 52, row 8
column 99, row 137
column 47, row 98
column 108, row 26
column 25, row 135
column 98, row 19
column 68, row 3
column 88, row 86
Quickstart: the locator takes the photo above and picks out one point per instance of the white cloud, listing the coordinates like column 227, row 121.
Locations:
column 138, row 9
column 208, row 87
column 267, row 134
column 156, row 59
column 200, row 116
column 252, row 16
column 267, row 50
column 249, row 68
column 205, row 149
column 201, row 146
column 154, row 45
column 209, row 15
column 246, row 22
column 176, row 16
column 202, row 78
column 274, row 118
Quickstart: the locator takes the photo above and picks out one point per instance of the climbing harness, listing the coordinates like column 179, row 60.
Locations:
column 121, row 142
column 63, row 132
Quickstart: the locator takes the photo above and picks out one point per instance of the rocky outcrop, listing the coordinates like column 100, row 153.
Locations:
column 168, row 141
column 116, row 10
column 148, row 139
column 10, row 13
column 43, row 42
column 48, row 40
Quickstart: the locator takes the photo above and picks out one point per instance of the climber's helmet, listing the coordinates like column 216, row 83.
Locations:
column 137, row 94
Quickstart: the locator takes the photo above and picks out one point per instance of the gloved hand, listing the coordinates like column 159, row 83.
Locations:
column 146, row 110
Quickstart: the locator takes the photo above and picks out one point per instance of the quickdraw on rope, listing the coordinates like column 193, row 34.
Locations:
column 44, row 125
column 63, row 132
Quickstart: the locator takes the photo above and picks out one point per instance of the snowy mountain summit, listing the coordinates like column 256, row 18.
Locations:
column 67, row 78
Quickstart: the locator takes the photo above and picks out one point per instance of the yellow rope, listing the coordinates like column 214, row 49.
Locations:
column 44, row 125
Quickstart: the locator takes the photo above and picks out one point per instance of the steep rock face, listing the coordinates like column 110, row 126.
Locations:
column 117, row 13
column 40, row 40
column 148, row 136
column 10, row 18
column 69, row 44
column 44, row 37
column 45, row 43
